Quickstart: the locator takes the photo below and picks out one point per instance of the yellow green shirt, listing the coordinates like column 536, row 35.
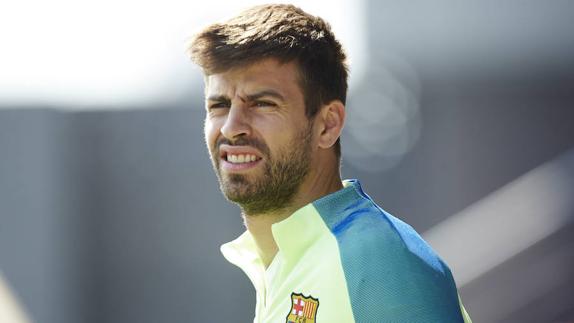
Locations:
column 343, row 259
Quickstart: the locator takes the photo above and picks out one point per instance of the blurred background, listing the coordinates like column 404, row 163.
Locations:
column 460, row 122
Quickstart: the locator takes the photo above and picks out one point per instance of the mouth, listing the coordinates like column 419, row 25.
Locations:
column 236, row 158
column 240, row 158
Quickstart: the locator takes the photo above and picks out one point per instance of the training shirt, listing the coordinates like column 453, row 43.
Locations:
column 343, row 259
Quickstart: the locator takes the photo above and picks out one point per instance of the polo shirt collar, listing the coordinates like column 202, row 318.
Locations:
column 242, row 252
column 294, row 234
column 298, row 232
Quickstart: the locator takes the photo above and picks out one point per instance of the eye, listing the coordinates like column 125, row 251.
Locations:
column 218, row 105
column 263, row 104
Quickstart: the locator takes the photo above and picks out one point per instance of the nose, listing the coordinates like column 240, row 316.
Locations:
column 237, row 123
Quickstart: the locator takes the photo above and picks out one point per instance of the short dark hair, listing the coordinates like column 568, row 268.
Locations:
column 283, row 32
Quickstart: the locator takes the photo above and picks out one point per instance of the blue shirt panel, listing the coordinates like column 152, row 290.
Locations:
column 392, row 274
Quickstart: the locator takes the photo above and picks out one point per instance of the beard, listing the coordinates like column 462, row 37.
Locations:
column 274, row 188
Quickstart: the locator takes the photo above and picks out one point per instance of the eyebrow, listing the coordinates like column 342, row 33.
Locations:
column 250, row 97
column 264, row 93
column 218, row 98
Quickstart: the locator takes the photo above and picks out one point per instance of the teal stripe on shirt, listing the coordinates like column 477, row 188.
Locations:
column 392, row 274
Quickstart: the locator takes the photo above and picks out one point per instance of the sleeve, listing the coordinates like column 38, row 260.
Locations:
column 392, row 275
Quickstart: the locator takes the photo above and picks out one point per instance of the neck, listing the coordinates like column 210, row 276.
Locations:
column 316, row 185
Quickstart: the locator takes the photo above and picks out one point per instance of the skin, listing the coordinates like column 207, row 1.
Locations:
column 259, row 109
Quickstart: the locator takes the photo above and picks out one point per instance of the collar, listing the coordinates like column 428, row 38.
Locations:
column 299, row 231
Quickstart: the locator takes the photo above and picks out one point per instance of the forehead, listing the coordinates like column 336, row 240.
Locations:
column 261, row 75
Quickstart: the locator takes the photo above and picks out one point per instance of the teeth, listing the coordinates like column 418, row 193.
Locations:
column 238, row 159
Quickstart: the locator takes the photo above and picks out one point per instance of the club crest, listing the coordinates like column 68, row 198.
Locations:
column 303, row 309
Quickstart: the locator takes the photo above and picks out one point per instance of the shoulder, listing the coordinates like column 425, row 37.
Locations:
column 391, row 272
column 368, row 230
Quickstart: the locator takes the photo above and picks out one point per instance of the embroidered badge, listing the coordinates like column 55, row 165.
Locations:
column 303, row 309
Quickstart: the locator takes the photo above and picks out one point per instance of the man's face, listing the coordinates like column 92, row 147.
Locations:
column 258, row 136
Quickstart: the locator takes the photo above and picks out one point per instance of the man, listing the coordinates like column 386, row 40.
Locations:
column 317, row 249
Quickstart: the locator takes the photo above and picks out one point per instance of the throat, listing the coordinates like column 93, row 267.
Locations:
column 260, row 228
column 268, row 255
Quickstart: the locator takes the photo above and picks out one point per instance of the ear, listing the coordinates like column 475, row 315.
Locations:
column 330, row 121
